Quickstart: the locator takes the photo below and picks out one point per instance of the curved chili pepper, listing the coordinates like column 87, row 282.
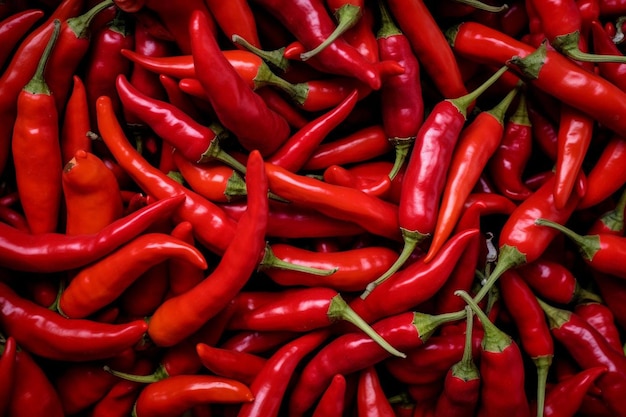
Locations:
column 343, row 203
column 603, row 44
column 102, row 282
column 402, row 104
column 601, row 318
column 430, row 46
column 566, row 397
column 589, row 349
column 8, row 351
column 176, row 394
column 240, row 366
column 476, row 144
column 76, row 123
column 47, row 334
column 362, row 37
column 461, row 388
column 272, row 381
column 308, row 309
column 235, row 18
column 606, row 176
column 532, row 327
column 13, row 28
column 362, row 145
column 183, row 275
column 371, row 399
column 611, row 222
column 332, row 402
column 33, row 393
column 424, row 178
column 354, row 268
column 36, row 150
column 92, row 195
column 377, row 187
column 246, row 116
column 509, row 161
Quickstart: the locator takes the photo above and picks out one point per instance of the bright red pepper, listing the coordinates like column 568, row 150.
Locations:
column 240, row 366
column 606, row 177
column 601, row 318
column 332, row 402
column 13, row 28
column 377, row 187
column 371, row 399
column 76, row 123
column 565, row 398
column 235, row 18
column 603, row 44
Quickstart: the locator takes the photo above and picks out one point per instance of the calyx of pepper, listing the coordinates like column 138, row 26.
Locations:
column 159, row 374
column 215, row 151
column 509, row 257
column 568, row 45
column 37, row 84
column 80, row 24
column 427, row 324
column 530, row 65
column 557, row 317
column 340, row 310
column 494, row 339
column 275, row 57
column 401, row 147
column 614, row 219
column 479, row 5
column 588, row 245
column 270, row 260
column 466, row 369
column 346, row 16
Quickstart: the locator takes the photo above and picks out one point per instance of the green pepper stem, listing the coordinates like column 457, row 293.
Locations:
column 426, row 324
column 401, row 147
column 509, row 257
column 235, row 186
column 158, row 375
column 614, row 219
column 215, row 151
column 464, row 102
column 587, row 245
column 479, row 5
column 347, row 16
column 568, row 45
column 494, row 339
column 37, row 84
column 298, row 92
column 340, row 310
column 520, row 117
column 80, row 24
column 556, row 317
column 270, row 260
column 466, row 369
column 275, row 57
column 411, row 238
column 499, row 111
column 543, row 366
column 387, row 28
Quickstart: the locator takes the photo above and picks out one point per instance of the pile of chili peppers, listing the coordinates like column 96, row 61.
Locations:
column 312, row 208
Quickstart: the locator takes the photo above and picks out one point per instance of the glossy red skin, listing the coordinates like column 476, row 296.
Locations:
column 601, row 318
column 459, row 397
column 240, row 366
column 550, row 280
column 76, row 122
column 371, row 399
column 13, row 28
column 332, row 402
column 565, row 398
column 235, row 18
column 569, row 17
column 606, row 177
column 603, row 44
column 612, row 7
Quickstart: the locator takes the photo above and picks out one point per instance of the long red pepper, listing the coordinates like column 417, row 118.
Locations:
column 8, row 354
column 600, row 316
column 565, row 398
column 76, row 122
column 36, row 149
column 13, row 28
column 235, row 18
column 606, row 176
column 425, row 175
column 476, row 144
column 241, row 111
column 240, row 366
column 371, row 399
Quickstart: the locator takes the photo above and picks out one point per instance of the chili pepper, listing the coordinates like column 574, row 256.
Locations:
column 13, row 29
column 610, row 288
column 247, row 116
column 8, row 350
column 402, row 104
column 377, row 187
column 183, row 275
column 343, row 203
column 258, row 342
column 544, row 133
column 362, row 37
column 415, row 283
column 612, row 221
column 354, row 267
column 589, row 349
column 239, row 366
column 606, row 177
column 308, row 309
column 47, row 334
column 71, row 47
column 461, row 388
column 601, row 318
column 509, row 161
column 371, row 399
column 425, row 175
column 601, row 251
column 280, row 105
column 33, row 393
column 500, row 393
column 76, row 122
column 14, row 219
column 92, row 195
column 362, row 145
column 166, row 328
column 532, row 327
column 476, row 144
column 22, row 67
column 352, row 352
column 36, row 151
column 565, row 398
column 101, row 283
column 270, row 384
column 235, row 18
column 430, row 46
column 176, row 394
column 332, row 402
column 603, row 43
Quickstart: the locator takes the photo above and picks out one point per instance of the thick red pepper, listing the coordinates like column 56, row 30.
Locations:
column 371, row 398
column 177, row 394
column 600, row 316
column 241, row 111
column 36, row 150
column 333, row 402
column 240, row 366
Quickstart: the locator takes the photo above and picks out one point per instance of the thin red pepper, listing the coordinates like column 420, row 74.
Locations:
column 8, row 351
column 183, row 275
column 179, row 393
column 332, row 403
column 544, row 132
column 258, row 342
column 36, row 150
column 603, row 43
column 76, row 123
column 362, row 37
column 240, row 366
column 606, row 177
column 13, row 28
column 424, row 179
column 282, row 106
column 612, row 221
column 565, row 398
column 371, row 399
column 377, row 187
column 241, row 111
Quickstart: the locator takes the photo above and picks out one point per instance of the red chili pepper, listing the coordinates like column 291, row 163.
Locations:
column 362, row 37
column 179, row 393
column 510, row 159
column 280, row 105
column 611, row 222
column 239, row 366
column 258, row 342
column 183, row 275
column 601, row 318
column 246, row 116
column 425, row 175
column 544, row 133
column 603, row 44
column 371, row 399
column 502, row 393
column 13, row 28
column 8, row 350
column 565, row 398
column 402, row 104
column 376, row 187
column 308, row 309
column 235, row 18
column 532, row 328
column 606, row 176
column 14, row 219
column 332, row 402
column 272, row 381
column 589, row 349
column 430, row 46
column 476, row 144
column 293, row 154
column 36, row 150
column 76, row 123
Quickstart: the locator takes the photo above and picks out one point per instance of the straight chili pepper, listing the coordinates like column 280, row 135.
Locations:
column 241, row 111
column 402, row 104
column 308, row 309
column 589, row 349
column 332, row 403
column 476, row 144
column 352, row 352
column 13, row 28
column 177, row 394
column 565, row 398
column 371, row 399
column 424, row 179
column 8, row 354
column 240, row 366
column 76, row 122
column 36, row 150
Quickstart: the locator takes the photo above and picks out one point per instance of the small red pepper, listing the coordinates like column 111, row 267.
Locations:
column 240, row 366
column 76, row 123
column 371, row 399
column 565, row 398
column 600, row 316
column 332, row 403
